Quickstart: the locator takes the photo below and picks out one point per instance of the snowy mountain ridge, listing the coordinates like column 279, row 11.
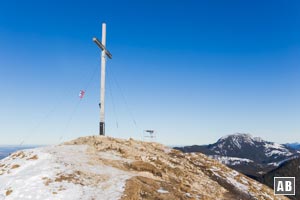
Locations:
column 250, row 155
column 98, row 167
column 241, row 137
column 236, row 141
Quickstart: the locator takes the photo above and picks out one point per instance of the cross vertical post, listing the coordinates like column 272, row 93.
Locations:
column 102, row 84
column 104, row 53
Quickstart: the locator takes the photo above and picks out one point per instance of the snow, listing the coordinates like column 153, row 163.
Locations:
column 215, row 169
column 236, row 143
column 168, row 150
column 232, row 179
column 238, row 140
column 37, row 178
column 234, row 173
column 267, row 195
column 231, row 160
column 100, row 171
column 188, row 195
column 162, row 191
column 110, row 155
column 244, row 180
column 238, row 185
column 274, row 146
column 276, row 164
column 277, row 152
column 242, row 136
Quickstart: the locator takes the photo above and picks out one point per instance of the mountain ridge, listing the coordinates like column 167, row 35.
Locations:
column 250, row 155
column 98, row 167
column 290, row 168
column 295, row 145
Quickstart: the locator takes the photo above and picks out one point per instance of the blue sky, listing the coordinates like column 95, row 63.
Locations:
column 192, row 70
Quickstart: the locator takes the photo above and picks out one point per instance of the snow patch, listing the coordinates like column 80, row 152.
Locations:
column 53, row 176
column 230, row 160
column 162, row 191
column 237, row 184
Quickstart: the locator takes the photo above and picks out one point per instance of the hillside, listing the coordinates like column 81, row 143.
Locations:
column 289, row 168
column 105, row 168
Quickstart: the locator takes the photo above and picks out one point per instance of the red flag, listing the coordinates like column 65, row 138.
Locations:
column 81, row 94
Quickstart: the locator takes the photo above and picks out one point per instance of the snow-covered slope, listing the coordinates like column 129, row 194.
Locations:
column 106, row 168
column 50, row 173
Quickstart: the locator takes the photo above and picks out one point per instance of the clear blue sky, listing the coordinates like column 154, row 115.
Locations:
column 192, row 70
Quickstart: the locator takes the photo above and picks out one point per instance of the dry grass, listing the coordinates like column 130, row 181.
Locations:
column 35, row 157
column 157, row 167
column 146, row 188
column 15, row 166
column 19, row 154
column 8, row 192
column 47, row 181
column 71, row 178
column 144, row 166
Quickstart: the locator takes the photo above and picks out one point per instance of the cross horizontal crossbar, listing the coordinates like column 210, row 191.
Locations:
column 101, row 46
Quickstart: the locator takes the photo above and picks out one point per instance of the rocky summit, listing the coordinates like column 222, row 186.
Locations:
column 106, row 168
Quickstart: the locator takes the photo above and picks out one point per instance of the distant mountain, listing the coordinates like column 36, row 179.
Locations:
column 295, row 145
column 252, row 156
column 289, row 168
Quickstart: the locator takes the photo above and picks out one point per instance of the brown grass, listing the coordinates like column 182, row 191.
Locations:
column 68, row 178
column 143, row 166
column 8, row 192
column 170, row 170
column 15, row 166
column 35, row 157
column 145, row 188
column 47, row 181
column 19, row 154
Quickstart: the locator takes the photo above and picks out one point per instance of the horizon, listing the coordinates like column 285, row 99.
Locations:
column 169, row 145
column 192, row 71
